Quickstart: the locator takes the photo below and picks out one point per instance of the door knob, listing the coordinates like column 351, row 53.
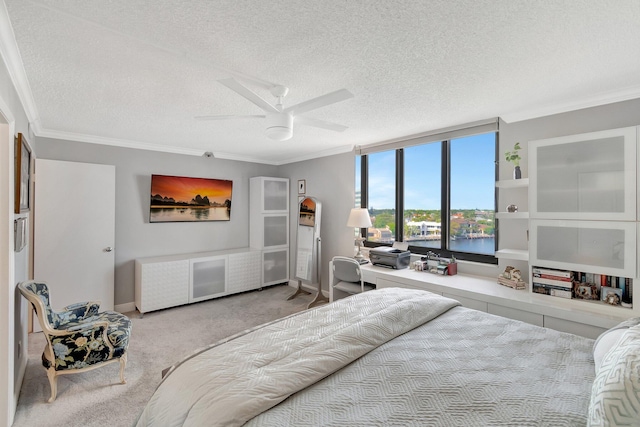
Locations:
column 108, row 249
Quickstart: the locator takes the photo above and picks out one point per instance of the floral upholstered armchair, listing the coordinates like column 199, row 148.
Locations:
column 79, row 338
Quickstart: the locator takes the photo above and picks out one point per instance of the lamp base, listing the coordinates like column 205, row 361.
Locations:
column 359, row 257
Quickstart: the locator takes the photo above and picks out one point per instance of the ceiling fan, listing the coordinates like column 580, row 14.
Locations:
column 279, row 119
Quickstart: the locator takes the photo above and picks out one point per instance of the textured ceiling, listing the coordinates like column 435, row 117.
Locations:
column 136, row 72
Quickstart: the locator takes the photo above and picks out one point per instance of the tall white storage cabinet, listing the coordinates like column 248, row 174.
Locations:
column 269, row 226
column 583, row 213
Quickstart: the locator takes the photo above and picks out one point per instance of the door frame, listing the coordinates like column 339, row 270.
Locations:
column 8, row 401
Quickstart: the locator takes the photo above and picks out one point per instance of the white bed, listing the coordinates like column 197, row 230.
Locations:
column 390, row 357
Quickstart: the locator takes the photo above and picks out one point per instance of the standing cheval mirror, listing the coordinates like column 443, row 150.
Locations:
column 308, row 248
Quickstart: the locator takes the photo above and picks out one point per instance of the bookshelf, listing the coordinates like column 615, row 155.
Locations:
column 582, row 286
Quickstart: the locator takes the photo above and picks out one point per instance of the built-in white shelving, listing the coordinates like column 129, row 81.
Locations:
column 512, row 215
column 513, row 183
column 509, row 185
column 515, row 254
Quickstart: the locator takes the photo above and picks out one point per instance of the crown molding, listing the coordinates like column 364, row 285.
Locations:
column 594, row 101
column 230, row 156
column 318, row 154
column 114, row 142
column 11, row 56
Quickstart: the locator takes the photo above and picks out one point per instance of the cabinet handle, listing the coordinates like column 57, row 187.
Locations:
column 108, row 249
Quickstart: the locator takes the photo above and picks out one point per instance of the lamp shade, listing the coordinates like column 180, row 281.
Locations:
column 359, row 218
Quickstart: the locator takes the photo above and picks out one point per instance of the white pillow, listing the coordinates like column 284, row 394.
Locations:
column 605, row 342
column 615, row 396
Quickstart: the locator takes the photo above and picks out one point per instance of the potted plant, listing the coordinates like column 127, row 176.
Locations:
column 514, row 157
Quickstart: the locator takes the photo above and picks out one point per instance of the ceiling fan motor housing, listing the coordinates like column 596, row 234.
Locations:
column 279, row 126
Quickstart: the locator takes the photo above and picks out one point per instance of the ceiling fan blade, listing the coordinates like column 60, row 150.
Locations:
column 319, row 124
column 235, row 86
column 319, row 102
column 227, row 117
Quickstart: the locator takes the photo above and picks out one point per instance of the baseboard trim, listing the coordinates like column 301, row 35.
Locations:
column 131, row 306
column 125, row 308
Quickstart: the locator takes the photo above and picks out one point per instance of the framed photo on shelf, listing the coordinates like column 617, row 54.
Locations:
column 302, row 186
column 22, row 174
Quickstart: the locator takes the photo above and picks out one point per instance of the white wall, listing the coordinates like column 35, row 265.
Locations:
column 135, row 236
column 331, row 180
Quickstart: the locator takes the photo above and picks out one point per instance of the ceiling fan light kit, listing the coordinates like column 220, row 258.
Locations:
column 279, row 126
column 279, row 119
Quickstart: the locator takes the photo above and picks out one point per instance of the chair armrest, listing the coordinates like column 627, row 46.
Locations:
column 78, row 311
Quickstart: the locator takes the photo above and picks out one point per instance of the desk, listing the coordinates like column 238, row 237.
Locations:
column 485, row 294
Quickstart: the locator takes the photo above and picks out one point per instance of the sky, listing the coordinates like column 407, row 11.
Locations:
column 183, row 189
column 472, row 175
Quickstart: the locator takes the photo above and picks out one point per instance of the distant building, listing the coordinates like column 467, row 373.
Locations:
column 424, row 228
column 382, row 235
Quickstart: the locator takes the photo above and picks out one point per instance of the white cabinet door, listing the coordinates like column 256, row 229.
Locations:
column 275, row 267
column 244, row 271
column 270, row 195
column 161, row 284
column 208, row 278
column 602, row 247
column 588, row 177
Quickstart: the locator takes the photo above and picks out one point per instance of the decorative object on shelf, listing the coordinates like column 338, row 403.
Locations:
column 302, row 186
column 512, row 277
column 359, row 218
column 23, row 174
column 434, row 263
column 514, row 157
column 512, row 209
column 610, row 295
column 588, row 291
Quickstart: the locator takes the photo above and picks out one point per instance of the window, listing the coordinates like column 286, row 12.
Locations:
column 422, row 199
column 381, row 196
column 437, row 196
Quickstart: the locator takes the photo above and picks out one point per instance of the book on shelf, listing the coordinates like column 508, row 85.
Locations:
column 556, row 274
column 548, row 276
column 551, row 290
column 568, row 284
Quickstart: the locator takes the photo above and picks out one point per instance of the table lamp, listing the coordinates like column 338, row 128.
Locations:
column 359, row 218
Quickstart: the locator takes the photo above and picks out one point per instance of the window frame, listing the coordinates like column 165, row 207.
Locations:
column 445, row 200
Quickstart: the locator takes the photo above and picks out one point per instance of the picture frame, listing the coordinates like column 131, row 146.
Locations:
column 22, row 174
column 587, row 291
column 302, row 186
column 189, row 199
column 611, row 295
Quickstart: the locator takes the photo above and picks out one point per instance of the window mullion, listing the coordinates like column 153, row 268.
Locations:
column 364, row 188
column 445, row 196
column 399, row 195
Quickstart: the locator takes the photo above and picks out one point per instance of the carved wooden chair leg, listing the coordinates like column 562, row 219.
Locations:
column 123, row 364
column 53, row 382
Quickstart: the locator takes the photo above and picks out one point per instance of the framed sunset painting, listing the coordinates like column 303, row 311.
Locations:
column 185, row 199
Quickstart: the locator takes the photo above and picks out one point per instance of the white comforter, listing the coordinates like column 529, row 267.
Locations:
column 230, row 383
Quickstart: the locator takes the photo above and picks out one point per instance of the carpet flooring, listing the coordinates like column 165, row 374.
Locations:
column 158, row 340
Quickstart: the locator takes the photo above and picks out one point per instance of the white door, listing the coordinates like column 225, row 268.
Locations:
column 74, row 232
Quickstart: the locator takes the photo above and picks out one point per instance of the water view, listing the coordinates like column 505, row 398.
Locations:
column 478, row 246
column 190, row 214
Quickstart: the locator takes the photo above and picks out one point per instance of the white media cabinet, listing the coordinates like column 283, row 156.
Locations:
column 484, row 294
column 169, row 281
